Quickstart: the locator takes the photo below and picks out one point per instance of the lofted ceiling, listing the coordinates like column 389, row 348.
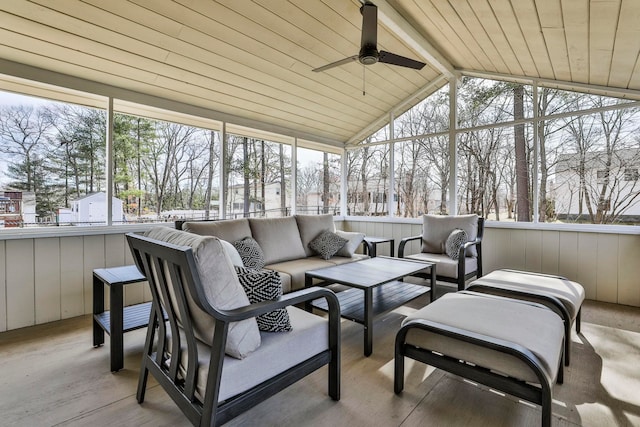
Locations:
column 252, row 59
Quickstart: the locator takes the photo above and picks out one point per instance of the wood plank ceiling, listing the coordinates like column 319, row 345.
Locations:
column 253, row 58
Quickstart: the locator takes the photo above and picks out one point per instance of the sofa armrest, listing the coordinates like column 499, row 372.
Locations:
column 403, row 243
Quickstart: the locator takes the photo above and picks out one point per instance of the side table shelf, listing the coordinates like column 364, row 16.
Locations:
column 135, row 317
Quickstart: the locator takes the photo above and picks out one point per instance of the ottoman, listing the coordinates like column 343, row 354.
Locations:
column 510, row 345
column 556, row 292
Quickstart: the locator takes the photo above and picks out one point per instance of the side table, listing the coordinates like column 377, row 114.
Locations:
column 118, row 319
column 371, row 243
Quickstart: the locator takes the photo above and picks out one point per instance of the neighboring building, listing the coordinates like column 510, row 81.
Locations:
column 577, row 182
column 92, row 209
column 272, row 203
column 17, row 208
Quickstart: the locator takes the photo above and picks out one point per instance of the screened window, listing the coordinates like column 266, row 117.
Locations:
column 318, row 182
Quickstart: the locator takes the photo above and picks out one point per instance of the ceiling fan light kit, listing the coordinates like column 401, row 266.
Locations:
column 369, row 53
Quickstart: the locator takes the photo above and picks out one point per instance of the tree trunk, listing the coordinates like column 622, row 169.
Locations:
column 245, row 170
column 522, row 166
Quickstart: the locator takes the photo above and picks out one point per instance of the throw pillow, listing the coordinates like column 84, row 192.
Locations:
column 250, row 252
column 265, row 285
column 327, row 244
column 456, row 239
column 354, row 240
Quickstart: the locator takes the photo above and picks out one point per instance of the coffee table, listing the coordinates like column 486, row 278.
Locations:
column 376, row 286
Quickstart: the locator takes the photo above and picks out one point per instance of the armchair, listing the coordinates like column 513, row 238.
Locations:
column 435, row 232
column 190, row 277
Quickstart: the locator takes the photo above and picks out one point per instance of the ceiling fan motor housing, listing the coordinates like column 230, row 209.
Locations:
column 368, row 55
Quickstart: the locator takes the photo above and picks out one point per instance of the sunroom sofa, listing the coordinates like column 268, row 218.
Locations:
column 284, row 242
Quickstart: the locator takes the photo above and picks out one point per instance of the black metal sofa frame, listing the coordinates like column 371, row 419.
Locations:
column 463, row 276
column 541, row 395
column 181, row 269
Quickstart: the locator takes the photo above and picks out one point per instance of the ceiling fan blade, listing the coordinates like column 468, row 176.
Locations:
column 337, row 63
column 369, row 25
column 403, row 61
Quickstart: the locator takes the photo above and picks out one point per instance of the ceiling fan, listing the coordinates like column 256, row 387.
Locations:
column 369, row 53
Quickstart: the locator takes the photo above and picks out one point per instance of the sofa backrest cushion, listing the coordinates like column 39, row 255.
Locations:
column 228, row 229
column 311, row 226
column 436, row 229
column 279, row 238
column 221, row 287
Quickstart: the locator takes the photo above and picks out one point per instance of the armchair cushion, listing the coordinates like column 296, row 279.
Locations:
column 436, row 229
column 265, row 285
column 446, row 266
column 221, row 286
column 457, row 238
column 327, row 244
column 250, row 252
column 354, row 240
column 277, row 353
column 231, row 250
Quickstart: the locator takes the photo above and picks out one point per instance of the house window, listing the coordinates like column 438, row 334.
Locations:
column 631, row 174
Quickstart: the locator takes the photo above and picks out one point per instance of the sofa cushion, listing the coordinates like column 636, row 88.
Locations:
column 310, row 226
column 279, row 238
column 327, row 244
column 354, row 240
column 265, row 285
column 456, row 239
column 436, row 229
column 250, row 253
column 297, row 267
column 228, row 229
column 221, row 287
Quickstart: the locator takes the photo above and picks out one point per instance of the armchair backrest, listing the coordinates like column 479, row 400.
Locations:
column 193, row 280
column 436, row 230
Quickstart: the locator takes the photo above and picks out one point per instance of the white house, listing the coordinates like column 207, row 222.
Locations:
column 91, row 209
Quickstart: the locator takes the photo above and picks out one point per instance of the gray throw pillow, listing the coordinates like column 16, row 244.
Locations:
column 265, row 285
column 327, row 244
column 250, row 252
column 354, row 240
column 456, row 239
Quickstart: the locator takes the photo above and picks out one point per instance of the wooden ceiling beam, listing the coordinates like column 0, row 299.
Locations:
column 391, row 19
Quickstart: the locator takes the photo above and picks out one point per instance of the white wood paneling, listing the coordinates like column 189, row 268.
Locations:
column 570, row 259
column 550, row 252
column 607, row 267
column 533, row 251
column 20, row 283
column 72, row 273
column 587, row 252
column 94, row 257
column 629, row 270
column 47, row 279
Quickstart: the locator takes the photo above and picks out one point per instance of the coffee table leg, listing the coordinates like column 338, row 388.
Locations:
column 433, row 283
column 368, row 321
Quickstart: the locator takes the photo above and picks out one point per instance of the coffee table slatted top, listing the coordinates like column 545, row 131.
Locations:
column 370, row 272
